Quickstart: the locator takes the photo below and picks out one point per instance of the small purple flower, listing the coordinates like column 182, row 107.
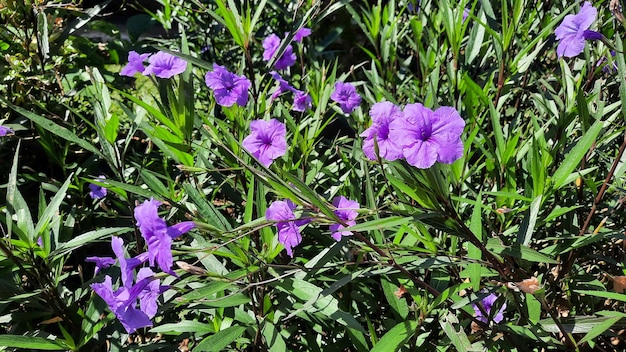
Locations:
column 157, row 235
column 271, row 44
column 5, row 130
column 606, row 68
column 123, row 302
column 382, row 113
column 487, row 304
column 227, row 87
column 301, row 34
column 101, row 263
column 426, row 136
column 466, row 13
column 164, row 65
column 301, row 101
column 97, row 191
column 135, row 64
column 574, row 30
column 288, row 226
column 346, row 95
column 150, row 294
column 346, row 210
column 283, row 86
column 266, row 140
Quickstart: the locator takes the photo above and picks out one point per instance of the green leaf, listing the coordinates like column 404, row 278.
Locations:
column 573, row 158
column 458, row 338
column 53, row 207
column 396, row 337
column 54, row 128
column 604, row 294
column 398, row 304
column 233, row 300
column 599, row 329
column 273, row 338
column 527, row 228
column 221, row 339
column 88, row 237
column 31, row 343
column 576, row 325
column 185, row 326
column 518, row 251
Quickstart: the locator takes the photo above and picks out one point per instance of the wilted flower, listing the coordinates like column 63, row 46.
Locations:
column 301, row 34
column 346, row 210
column 288, row 226
column 301, row 101
column 346, row 95
column 266, row 140
column 426, row 136
column 271, row 44
column 227, row 87
column 135, row 64
column 382, row 113
column 97, row 191
column 5, row 130
column 487, row 304
column 164, row 65
column 157, row 235
column 574, row 30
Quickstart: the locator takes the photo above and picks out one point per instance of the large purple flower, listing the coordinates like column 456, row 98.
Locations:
column 574, row 30
column 164, row 65
column 5, row 130
column 227, row 87
column 487, row 304
column 157, row 235
column 288, row 227
column 346, row 210
column 382, row 113
column 271, row 44
column 266, row 140
column 346, row 96
column 426, row 136
column 135, row 64
column 97, row 191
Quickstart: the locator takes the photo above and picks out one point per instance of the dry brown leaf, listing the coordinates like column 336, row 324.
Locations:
column 619, row 283
column 529, row 285
column 400, row 291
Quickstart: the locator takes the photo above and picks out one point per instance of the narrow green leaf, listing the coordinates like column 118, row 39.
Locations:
column 185, row 326
column 573, row 158
column 221, row 339
column 396, row 337
column 604, row 294
column 32, row 342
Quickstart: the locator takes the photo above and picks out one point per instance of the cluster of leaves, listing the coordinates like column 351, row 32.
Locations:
column 531, row 212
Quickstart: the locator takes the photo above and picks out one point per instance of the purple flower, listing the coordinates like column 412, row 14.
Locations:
column 382, row 113
column 135, row 64
column 606, row 68
column 466, row 13
column 346, row 210
column 345, row 94
column 164, row 65
column 266, row 140
column 283, row 86
column 227, row 87
column 101, row 263
column 149, row 295
column 487, row 304
column 271, row 44
column 123, row 301
column 301, row 101
column 127, row 265
column 574, row 30
column 157, row 235
column 301, row 34
column 426, row 136
column 97, row 191
column 5, row 130
column 288, row 226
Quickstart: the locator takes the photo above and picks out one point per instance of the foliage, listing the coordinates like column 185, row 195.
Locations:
column 517, row 243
